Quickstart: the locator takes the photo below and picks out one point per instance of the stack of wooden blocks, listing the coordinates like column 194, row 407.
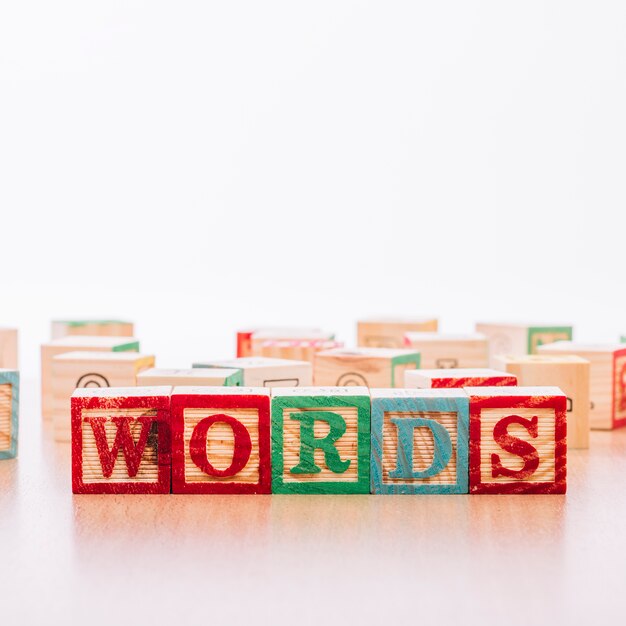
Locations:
column 9, row 392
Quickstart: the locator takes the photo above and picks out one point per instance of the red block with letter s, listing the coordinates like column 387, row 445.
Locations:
column 517, row 440
column 221, row 440
column 121, row 440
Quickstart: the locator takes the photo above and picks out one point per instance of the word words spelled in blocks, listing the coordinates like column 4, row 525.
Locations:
column 194, row 377
column 221, row 440
column 567, row 372
column 8, row 348
column 92, row 328
column 607, row 380
column 366, row 367
column 517, row 440
column 443, row 378
column 389, row 332
column 75, row 343
column 264, row 372
column 444, row 351
column 419, row 441
column 75, row 370
column 9, row 407
column 250, row 342
column 321, row 440
column 518, row 339
column 121, row 440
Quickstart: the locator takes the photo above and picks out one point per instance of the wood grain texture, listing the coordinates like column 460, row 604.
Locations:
column 9, row 413
column 9, row 348
column 210, row 377
column 295, row 349
column 446, row 351
column 389, row 332
column 449, row 378
column 349, row 407
column 445, row 407
column 250, row 408
column 490, row 408
column 151, row 404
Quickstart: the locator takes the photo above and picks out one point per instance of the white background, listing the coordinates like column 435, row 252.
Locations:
column 198, row 167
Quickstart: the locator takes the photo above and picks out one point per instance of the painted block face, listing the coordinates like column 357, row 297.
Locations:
column 8, row 348
column 121, row 440
column 606, row 379
column 9, row 409
column 517, row 440
column 567, row 372
column 367, row 367
column 264, row 372
column 446, row 378
column 250, row 342
column 92, row 328
column 321, row 440
column 195, row 377
column 221, row 440
column 419, row 441
column 443, row 351
column 389, row 332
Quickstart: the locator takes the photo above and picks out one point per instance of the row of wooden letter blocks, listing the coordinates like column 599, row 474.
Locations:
column 499, row 439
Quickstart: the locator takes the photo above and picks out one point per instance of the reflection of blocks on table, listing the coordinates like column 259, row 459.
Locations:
column 76, row 370
column 518, row 339
column 221, row 440
column 471, row 377
column 517, row 440
column 445, row 351
column 9, row 410
column 296, row 349
column 92, row 328
column 366, row 367
column 607, row 379
column 75, row 344
column 8, row 348
column 264, row 372
column 321, row 440
column 568, row 373
column 195, row 377
column 389, row 332
column 121, row 440
column 250, row 342
column 419, row 441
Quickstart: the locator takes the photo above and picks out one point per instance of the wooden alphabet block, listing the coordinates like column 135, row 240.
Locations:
column 75, row 344
column 195, row 377
column 321, row 440
column 296, row 349
column 519, row 339
column 517, row 440
column 442, row 378
column 9, row 408
column 389, row 332
column 249, row 342
column 121, row 440
column 92, row 328
column 419, row 441
column 444, row 351
column 221, row 440
column 75, row 370
column 8, row 348
column 366, row 367
column 263, row 372
column 607, row 379
column 568, row 373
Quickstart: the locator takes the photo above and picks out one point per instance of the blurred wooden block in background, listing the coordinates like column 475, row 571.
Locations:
column 250, row 342
column 447, row 351
column 296, row 349
column 419, row 441
column 471, row 377
column 321, row 440
column 518, row 339
column 607, row 379
column 518, row 440
column 77, row 370
column 8, row 348
column 570, row 374
column 74, row 344
column 366, row 367
column 389, row 332
column 221, row 440
column 121, row 440
column 265, row 372
column 194, row 377
column 92, row 328
column 9, row 412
